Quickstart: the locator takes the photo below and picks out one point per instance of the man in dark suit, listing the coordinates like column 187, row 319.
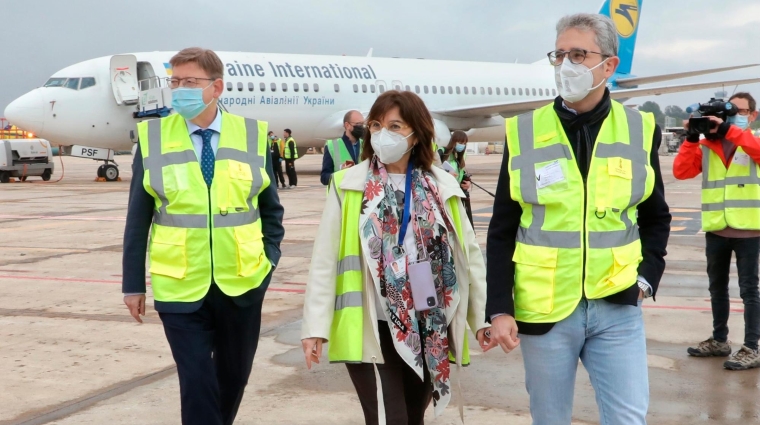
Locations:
column 211, row 259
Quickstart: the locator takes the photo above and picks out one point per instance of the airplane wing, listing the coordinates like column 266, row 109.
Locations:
column 632, row 82
column 507, row 109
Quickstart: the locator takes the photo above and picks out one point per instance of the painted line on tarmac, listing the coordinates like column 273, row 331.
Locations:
column 74, row 406
column 684, row 307
column 60, row 217
column 114, row 282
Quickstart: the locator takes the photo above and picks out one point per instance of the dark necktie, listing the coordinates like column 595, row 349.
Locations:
column 207, row 156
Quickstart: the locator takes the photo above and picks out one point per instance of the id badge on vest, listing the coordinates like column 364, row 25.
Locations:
column 549, row 174
column 741, row 159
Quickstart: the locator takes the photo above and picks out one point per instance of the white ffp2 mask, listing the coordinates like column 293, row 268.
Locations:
column 388, row 146
column 575, row 82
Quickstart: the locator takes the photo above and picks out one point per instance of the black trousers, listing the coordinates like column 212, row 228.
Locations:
column 214, row 348
column 468, row 208
column 277, row 166
column 718, row 265
column 290, row 168
column 405, row 395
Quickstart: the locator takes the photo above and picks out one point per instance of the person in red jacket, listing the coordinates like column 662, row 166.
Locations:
column 733, row 143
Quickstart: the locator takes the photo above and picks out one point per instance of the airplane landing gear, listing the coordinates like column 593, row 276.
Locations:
column 109, row 172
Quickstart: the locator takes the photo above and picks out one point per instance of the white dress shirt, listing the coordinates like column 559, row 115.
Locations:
column 197, row 140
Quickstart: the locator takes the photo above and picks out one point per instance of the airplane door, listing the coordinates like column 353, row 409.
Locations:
column 397, row 85
column 124, row 79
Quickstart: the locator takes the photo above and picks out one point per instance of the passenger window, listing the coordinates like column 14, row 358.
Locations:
column 305, row 87
column 262, row 87
column 506, row 91
column 540, row 92
column 490, row 91
column 417, row 89
column 316, row 88
column 296, row 86
column 482, row 91
column 273, row 87
column 364, row 88
column 513, row 91
column 372, row 88
column 474, row 90
column 498, row 91
column 73, row 84
column 55, row 82
column 356, row 88
column 407, row 88
column 458, row 90
column 284, row 86
column 381, row 88
column 397, row 87
column 534, row 92
column 554, row 92
column 240, row 86
column 250, row 86
column 426, row 89
column 337, row 88
column 435, row 89
column 86, row 82
column 229, row 86
column 466, row 90
column 451, row 90
column 443, row 90
column 520, row 92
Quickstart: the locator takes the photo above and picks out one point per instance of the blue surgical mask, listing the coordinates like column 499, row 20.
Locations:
column 460, row 148
column 741, row 121
column 189, row 102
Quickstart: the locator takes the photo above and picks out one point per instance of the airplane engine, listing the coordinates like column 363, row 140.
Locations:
column 442, row 133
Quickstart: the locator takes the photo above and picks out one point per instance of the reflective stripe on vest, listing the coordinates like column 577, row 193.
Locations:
column 555, row 239
column 340, row 155
column 188, row 214
column 286, row 149
column 346, row 331
column 730, row 196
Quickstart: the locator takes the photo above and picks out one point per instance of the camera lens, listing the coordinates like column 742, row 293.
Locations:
column 430, row 301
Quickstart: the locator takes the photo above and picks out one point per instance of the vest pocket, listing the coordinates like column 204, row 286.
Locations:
column 241, row 179
column 168, row 254
column 535, row 273
column 625, row 265
column 250, row 249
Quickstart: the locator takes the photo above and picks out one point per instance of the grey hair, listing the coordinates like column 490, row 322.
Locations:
column 601, row 25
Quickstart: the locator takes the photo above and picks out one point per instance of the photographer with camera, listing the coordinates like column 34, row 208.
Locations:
column 730, row 216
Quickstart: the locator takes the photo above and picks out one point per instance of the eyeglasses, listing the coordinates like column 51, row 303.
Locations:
column 357, row 124
column 189, row 82
column 744, row 112
column 576, row 56
column 393, row 126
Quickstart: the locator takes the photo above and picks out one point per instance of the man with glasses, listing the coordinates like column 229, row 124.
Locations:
column 578, row 235
column 202, row 189
column 346, row 151
column 727, row 159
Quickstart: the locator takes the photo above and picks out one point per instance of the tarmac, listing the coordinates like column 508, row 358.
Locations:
column 71, row 354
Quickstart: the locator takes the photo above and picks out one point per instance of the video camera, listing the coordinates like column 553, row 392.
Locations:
column 713, row 108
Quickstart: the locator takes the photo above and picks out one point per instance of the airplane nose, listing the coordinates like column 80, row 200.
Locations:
column 27, row 111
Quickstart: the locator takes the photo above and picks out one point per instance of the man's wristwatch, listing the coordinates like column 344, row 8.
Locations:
column 646, row 289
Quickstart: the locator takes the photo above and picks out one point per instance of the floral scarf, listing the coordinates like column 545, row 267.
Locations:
column 420, row 338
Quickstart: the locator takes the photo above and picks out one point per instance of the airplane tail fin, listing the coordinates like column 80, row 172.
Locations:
column 625, row 14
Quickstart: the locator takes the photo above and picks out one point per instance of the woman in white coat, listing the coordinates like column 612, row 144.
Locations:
column 396, row 273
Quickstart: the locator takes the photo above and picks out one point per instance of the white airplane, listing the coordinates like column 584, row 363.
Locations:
column 96, row 103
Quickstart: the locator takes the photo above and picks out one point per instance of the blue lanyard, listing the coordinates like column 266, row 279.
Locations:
column 407, row 205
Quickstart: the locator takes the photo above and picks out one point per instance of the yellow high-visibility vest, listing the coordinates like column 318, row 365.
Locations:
column 730, row 196
column 286, row 148
column 575, row 236
column 188, row 215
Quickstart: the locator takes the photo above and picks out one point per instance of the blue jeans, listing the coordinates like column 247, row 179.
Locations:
column 609, row 339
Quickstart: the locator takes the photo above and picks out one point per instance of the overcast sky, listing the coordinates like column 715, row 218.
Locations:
column 43, row 36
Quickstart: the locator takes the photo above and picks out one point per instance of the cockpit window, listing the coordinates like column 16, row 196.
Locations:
column 72, row 83
column 55, row 82
column 87, row 82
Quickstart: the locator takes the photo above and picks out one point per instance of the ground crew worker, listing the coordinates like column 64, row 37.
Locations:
column 377, row 214
column 276, row 148
column 454, row 156
column 578, row 233
column 728, row 159
column 290, row 155
column 201, row 179
column 344, row 152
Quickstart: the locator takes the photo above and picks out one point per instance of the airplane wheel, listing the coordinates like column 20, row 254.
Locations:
column 4, row 177
column 46, row 174
column 111, row 172
column 100, row 171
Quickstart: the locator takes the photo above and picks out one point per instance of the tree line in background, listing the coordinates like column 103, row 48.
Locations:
column 674, row 111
